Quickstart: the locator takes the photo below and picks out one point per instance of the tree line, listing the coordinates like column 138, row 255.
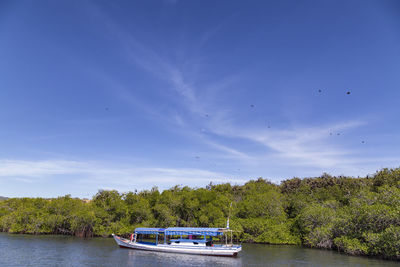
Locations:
column 358, row 216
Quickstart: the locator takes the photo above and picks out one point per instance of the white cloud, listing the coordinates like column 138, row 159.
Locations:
column 21, row 168
column 112, row 176
column 303, row 145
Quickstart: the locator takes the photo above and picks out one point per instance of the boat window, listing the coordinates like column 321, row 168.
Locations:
column 177, row 242
column 196, row 243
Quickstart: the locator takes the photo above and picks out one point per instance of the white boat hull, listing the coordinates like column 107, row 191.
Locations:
column 230, row 251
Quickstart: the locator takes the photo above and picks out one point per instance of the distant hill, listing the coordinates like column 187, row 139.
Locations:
column 3, row 198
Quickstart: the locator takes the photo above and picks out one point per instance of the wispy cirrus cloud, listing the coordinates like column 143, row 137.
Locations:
column 295, row 146
column 36, row 169
column 103, row 175
column 186, row 90
column 301, row 145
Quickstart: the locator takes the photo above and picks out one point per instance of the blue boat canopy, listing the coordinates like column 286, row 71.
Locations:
column 149, row 231
column 181, row 231
column 193, row 231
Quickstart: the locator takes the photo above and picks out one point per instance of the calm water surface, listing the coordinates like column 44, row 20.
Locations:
column 27, row 250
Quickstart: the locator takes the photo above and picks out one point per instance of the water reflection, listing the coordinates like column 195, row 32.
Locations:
column 174, row 259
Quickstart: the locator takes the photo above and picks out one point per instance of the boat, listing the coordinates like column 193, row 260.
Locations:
column 186, row 240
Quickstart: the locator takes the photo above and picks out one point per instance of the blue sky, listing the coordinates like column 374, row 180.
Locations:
column 133, row 94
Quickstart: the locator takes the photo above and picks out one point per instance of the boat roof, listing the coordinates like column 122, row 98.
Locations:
column 193, row 231
column 181, row 231
column 150, row 231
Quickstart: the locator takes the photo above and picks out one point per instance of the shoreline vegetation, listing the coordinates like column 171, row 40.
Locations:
column 357, row 216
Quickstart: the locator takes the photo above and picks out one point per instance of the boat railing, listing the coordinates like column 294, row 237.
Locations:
column 200, row 236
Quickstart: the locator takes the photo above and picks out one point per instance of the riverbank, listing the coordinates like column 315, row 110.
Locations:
column 358, row 216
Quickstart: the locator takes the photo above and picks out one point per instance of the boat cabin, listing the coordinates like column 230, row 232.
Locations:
column 178, row 236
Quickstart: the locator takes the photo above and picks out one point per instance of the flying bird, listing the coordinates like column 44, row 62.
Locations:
column 348, row 92
column 319, row 91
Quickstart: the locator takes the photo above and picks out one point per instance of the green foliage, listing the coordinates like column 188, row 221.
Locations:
column 268, row 231
column 386, row 176
column 359, row 216
column 385, row 243
column 353, row 215
column 260, row 199
column 315, row 224
column 351, row 246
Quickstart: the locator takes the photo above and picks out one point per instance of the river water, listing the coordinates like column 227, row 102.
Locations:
column 28, row 250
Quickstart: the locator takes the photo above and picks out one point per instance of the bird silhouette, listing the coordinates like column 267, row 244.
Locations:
column 319, row 91
column 252, row 106
column 348, row 92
